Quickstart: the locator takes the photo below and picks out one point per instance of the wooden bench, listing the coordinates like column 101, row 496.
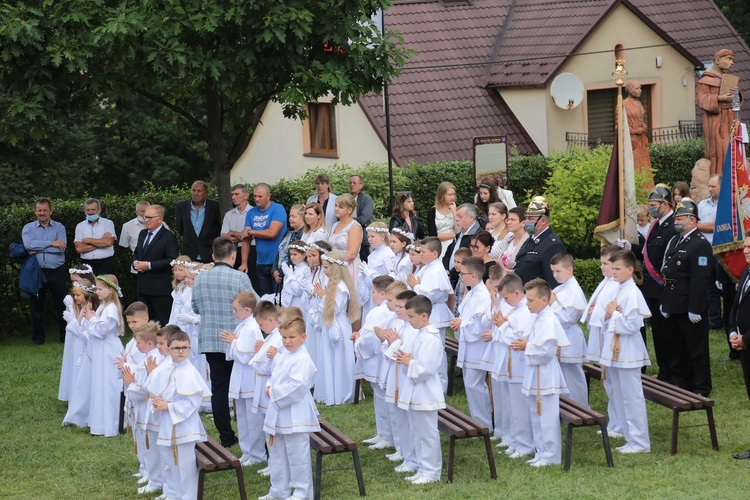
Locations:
column 457, row 425
column 213, row 457
column 677, row 399
column 331, row 441
column 576, row 415
column 451, row 350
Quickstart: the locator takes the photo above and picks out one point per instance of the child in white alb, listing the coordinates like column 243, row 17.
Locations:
column 369, row 350
column 380, row 262
column 297, row 277
column 593, row 317
column 421, row 392
column 568, row 303
column 432, row 282
column 543, row 381
column 469, row 327
column 402, row 265
column 313, row 314
column 242, row 381
column 291, row 416
column 176, row 394
column 624, row 353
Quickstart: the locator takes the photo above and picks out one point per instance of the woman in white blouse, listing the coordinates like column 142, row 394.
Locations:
column 315, row 224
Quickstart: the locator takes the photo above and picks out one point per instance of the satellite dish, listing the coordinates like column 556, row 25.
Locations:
column 566, row 91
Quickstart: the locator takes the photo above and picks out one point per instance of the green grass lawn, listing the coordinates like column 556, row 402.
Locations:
column 41, row 459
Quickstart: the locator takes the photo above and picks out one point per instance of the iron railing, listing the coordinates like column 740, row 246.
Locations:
column 685, row 130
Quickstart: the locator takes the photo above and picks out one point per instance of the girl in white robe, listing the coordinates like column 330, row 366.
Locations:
column 340, row 308
column 75, row 338
column 316, row 291
column 402, row 265
column 297, row 277
column 104, row 328
column 380, row 262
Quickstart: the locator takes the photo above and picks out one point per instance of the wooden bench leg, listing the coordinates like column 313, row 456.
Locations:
column 490, row 456
column 358, row 471
column 712, row 428
column 318, row 474
column 675, row 430
column 451, row 375
column 451, row 456
column 241, row 482
column 607, row 447
column 568, row 446
column 201, row 479
column 121, row 428
column 357, row 388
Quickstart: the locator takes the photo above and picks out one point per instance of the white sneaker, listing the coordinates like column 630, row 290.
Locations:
column 147, row 489
column 163, row 496
column 382, row 445
column 509, row 451
column 265, row 471
column 414, row 477
column 143, row 480
column 425, row 480
column 138, row 475
column 248, row 462
column 373, row 440
column 540, row 463
column 404, row 468
column 532, row 461
column 516, row 454
column 269, row 497
column 503, row 444
column 395, row 457
column 620, row 448
column 627, row 450
column 495, row 438
column 616, row 435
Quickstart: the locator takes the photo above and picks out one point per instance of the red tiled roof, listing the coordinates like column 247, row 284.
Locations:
column 435, row 111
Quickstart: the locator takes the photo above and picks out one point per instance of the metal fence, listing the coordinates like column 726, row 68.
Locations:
column 685, row 130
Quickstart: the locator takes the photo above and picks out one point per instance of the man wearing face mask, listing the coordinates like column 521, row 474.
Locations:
column 95, row 239
column 532, row 260
column 687, row 276
column 650, row 251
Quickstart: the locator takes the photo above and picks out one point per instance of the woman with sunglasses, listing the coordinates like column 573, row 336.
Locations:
column 404, row 217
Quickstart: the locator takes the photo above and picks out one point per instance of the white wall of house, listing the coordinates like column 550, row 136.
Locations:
column 277, row 148
column 673, row 97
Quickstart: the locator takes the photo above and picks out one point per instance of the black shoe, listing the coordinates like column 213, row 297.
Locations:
column 730, row 358
column 227, row 443
column 742, row 456
column 38, row 342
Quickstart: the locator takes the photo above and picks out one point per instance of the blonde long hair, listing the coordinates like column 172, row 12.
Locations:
column 184, row 258
column 337, row 274
column 113, row 299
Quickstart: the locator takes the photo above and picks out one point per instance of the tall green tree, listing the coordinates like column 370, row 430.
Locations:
column 738, row 13
column 215, row 64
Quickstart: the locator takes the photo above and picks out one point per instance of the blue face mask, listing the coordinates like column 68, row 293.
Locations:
column 92, row 218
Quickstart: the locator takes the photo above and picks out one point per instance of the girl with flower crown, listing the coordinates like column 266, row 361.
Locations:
column 340, row 307
column 104, row 326
column 315, row 293
column 180, row 297
column 81, row 293
column 296, row 277
column 402, row 266
column 379, row 263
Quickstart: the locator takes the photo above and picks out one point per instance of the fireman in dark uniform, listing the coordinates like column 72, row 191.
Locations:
column 532, row 260
column 651, row 252
column 687, row 276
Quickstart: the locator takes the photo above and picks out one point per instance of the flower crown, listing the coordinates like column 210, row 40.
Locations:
column 110, row 284
column 416, row 248
column 318, row 248
column 84, row 269
column 334, row 261
column 300, row 248
column 405, row 234
column 183, row 263
column 85, row 288
column 377, row 229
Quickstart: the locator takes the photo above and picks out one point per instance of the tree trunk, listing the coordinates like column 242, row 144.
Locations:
column 217, row 146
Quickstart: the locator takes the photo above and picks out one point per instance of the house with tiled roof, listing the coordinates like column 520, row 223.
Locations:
column 486, row 68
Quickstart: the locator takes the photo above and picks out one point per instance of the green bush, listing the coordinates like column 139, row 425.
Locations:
column 423, row 181
column 527, row 176
column 588, row 273
column 674, row 162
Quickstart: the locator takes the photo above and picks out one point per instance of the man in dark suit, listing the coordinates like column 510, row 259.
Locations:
column 533, row 258
column 739, row 326
column 687, row 276
column 362, row 212
column 466, row 218
column 650, row 251
column 154, row 252
column 198, row 220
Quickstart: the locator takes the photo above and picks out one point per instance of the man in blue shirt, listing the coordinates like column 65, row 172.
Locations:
column 266, row 222
column 198, row 220
column 46, row 240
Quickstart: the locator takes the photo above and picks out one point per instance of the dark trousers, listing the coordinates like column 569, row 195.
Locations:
column 691, row 365
column 102, row 266
column 252, row 271
column 661, row 339
column 57, row 285
column 745, row 361
column 265, row 279
column 159, row 307
column 728, row 292
column 713, row 296
column 221, row 370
